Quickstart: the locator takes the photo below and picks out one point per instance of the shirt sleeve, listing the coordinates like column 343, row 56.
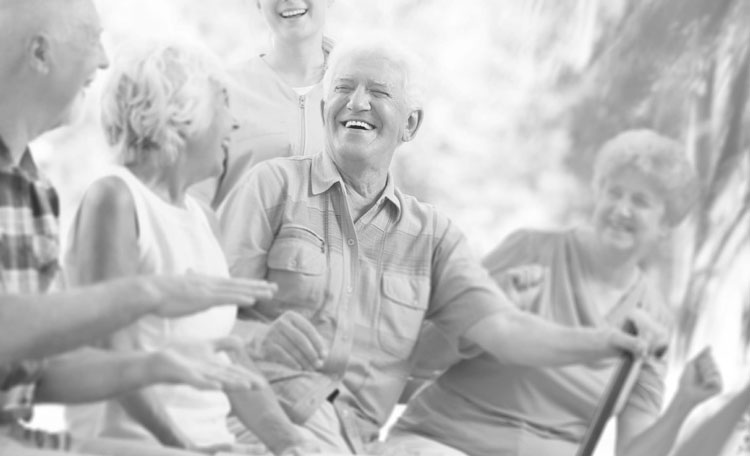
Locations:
column 462, row 292
column 248, row 220
column 518, row 248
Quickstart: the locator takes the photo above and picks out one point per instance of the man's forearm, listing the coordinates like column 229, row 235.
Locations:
column 34, row 326
column 516, row 337
column 89, row 375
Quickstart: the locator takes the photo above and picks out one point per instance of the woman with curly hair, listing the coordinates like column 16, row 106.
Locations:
column 166, row 112
column 585, row 276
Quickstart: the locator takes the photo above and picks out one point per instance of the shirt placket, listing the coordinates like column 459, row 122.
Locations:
column 344, row 336
column 341, row 349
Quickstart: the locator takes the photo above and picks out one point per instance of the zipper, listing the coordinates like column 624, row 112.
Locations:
column 302, row 138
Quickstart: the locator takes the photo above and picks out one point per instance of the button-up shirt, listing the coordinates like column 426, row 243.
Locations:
column 366, row 286
column 29, row 210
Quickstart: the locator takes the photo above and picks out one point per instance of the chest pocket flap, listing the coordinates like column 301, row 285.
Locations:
column 296, row 256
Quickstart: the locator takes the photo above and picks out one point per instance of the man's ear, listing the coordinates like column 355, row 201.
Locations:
column 413, row 122
column 323, row 111
column 38, row 53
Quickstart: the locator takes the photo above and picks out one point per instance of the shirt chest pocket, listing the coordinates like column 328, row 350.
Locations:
column 403, row 305
column 297, row 263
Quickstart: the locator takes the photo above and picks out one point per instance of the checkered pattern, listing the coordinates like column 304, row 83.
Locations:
column 29, row 210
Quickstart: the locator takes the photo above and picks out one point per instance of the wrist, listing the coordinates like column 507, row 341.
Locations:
column 602, row 338
column 139, row 370
column 683, row 403
column 146, row 295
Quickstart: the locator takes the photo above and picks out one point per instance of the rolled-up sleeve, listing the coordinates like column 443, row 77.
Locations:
column 462, row 292
column 248, row 218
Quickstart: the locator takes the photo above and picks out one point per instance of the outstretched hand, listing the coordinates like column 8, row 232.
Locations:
column 201, row 365
column 183, row 295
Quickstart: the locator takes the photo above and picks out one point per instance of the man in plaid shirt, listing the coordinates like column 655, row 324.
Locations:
column 51, row 52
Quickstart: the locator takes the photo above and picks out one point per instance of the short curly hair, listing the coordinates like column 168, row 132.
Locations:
column 159, row 95
column 660, row 159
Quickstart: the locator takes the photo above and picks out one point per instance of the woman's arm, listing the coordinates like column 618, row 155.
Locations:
column 106, row 246
column 711, row 436
column 638, row 432
column 91, row 374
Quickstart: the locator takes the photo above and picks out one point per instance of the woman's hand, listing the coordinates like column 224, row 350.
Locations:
column 200, row 365
column 700, row 378
column 523, row 284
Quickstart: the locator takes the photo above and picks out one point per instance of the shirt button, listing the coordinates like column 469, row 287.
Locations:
column 350, row 242
column 349, row 290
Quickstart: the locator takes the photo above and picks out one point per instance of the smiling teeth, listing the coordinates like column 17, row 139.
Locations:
column 294, row 12
column 358, row 123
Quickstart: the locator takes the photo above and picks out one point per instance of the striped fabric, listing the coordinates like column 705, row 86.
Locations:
column 29, row 210
column 366, row 285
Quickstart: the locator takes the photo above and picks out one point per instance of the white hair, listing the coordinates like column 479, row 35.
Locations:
column 160, row 94
column 403, row 59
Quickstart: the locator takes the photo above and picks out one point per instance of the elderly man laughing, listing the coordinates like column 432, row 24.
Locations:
column 367, row 264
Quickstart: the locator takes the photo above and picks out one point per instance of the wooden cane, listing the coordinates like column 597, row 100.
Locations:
column 609, row 400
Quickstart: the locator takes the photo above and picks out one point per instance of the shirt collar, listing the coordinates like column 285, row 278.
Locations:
column 27, row 164
column 324, row 175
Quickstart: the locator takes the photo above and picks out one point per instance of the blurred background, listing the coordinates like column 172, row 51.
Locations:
column 520, row 94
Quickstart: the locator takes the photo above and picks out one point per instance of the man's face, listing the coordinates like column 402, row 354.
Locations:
column 365, row 110
column 76, row 56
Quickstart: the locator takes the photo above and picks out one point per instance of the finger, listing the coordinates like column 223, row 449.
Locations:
column 275, row 354
column 228, row 344
column 202, row 382
column 230, row 378
column 254, row 380
column 250, row 449
column 311, row 338
column 299, row 349
column 703, row 356
column 631, row 344
column 243, row 291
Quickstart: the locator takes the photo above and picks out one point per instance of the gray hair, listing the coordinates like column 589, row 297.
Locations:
column 660, row 159
column 159, row 94
column 385, row 47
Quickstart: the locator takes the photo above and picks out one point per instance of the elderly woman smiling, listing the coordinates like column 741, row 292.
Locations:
column 166, row 111
column 589, row 276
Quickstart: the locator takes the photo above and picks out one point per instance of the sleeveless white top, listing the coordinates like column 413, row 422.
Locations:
column 171, row 240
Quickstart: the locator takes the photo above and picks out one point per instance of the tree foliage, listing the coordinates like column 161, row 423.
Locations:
column 681, row 67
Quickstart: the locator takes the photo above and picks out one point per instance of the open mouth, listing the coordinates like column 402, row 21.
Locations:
column 621, row 227
column 292, row 13
column 358, row 125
